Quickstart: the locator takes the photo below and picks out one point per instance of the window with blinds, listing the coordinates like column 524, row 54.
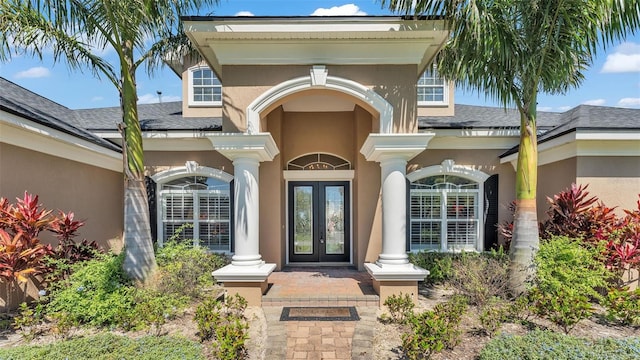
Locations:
column 197, row 209
column 444, row 213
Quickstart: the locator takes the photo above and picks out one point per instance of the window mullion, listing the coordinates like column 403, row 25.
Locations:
column 443, row 220
column 196, row 217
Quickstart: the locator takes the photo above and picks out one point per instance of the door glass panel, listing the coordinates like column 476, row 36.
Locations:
column 303, row 220
column 334, row 215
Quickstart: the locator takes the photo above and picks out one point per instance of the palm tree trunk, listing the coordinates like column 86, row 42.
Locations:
column 525, row 240
column 139, row 261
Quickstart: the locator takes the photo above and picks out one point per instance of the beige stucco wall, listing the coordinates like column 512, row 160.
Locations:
column 94, row 194
column 243, row 84
column 553, row 178
column 614, row 180
column 367, row 217
column 272, row 198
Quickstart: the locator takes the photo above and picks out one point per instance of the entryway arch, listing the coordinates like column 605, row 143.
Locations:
column 319, row 79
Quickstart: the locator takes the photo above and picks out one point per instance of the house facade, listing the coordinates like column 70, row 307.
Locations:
column 323, row 141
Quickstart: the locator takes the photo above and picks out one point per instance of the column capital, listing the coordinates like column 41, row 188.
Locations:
column 383, row 147
column 260, row 146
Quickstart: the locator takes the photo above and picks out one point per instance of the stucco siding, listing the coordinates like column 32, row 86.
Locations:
column 395, row 83
column 553, row 178
column 95, row 195
column 614, row 180
column 272, row 199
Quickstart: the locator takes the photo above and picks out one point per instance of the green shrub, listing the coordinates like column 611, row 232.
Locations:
column 568, row 276
column 481, row 277
column 440, row 265
column 432, row 331
column 109, row 347
column 544, row 345
column 185, row 270
column 400, row 307
column 623, row 306
column 152, row 309
column 28, row 320
column 224, row 323
column 493, row 314
column 97, row 292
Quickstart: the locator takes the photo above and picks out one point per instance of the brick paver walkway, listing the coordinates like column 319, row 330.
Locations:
column 320, row 339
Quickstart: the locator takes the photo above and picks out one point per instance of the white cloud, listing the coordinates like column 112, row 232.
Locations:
column 97, row 98
column 244, row 13
column 544, row 108
column 33, row 73
column 153, row 98
column 595, row 102
column 626, row 58
column 564, row 108
column 629, row 102
column 347, row 9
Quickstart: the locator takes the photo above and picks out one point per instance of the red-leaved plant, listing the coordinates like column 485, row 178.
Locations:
column 574, row 213
column 21, row 253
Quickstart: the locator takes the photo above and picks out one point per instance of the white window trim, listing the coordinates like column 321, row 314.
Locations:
column 448, row 167
column 445, row 92
column 190, row 100
column 163, row 177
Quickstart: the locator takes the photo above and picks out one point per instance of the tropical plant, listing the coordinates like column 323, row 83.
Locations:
column 21, row 253
column 511, row 50
column 140, row 32
column 568, row 278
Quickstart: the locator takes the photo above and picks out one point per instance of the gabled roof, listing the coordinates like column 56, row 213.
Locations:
column 471, row 116
column 21, row 102
column 590, row 118
column 162, row 116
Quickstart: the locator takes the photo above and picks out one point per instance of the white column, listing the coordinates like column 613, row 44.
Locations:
column 394, row 211
column 247, row 212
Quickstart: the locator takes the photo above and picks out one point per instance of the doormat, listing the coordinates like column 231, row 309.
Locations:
column 326, row 313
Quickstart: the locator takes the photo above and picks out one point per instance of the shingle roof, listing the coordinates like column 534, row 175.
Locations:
column 162, row 116
column 19, row 101
column 471, row 116
column 588, row 117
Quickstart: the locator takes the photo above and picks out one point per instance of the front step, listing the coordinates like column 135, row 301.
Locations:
column 322, row 300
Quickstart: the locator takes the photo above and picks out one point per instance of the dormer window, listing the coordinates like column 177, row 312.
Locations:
column 204, row 87
column 432, row 89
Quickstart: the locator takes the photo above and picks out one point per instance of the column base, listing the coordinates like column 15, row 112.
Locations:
column 250, row 282
column 391, row 280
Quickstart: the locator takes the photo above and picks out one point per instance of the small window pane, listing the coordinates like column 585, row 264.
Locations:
column 206, row 86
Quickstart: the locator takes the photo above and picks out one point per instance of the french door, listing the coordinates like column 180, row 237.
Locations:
column 319, row 221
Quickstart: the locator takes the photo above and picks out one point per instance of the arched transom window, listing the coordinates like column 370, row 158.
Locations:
column 197, row 208
column 319, row 161
column 445, row 210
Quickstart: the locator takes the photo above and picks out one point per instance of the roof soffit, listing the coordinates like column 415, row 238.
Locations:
column 308, row 41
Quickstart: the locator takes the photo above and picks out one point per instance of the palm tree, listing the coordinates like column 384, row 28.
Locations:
column 140, row 32
column 513, row 49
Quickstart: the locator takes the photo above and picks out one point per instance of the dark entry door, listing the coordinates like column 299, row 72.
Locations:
column 319, row 221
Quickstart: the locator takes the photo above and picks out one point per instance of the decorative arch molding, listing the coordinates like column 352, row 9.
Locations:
column 190, row 169
column 448, row 167
column 319, row 79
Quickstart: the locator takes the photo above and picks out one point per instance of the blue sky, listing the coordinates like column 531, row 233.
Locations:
column 613, row 79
